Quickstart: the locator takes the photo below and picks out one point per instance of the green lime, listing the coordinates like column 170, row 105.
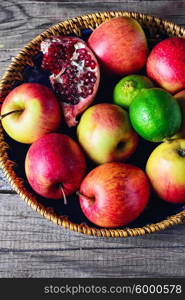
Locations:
column 155, row 114
column 128, row 87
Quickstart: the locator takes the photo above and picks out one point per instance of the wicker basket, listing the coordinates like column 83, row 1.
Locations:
column 155, row 29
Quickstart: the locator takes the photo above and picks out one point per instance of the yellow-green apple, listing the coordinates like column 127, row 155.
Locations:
column 105, row 133
column 55, row 166
column 114, row 194
column 30, row 111
column 166, row 170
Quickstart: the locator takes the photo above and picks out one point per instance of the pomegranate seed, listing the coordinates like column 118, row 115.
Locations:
column 75, row 80
column 81, row 51
column 87, row 63
column 64, row 86
column 64, row 79
column 74, row 68
column 87, row 57
column 74, row 91
column 70, row 83
column 82, row 95
column 83, row 88
column 71, row 75
column 82, row 76
column 91, row 85
column 92, row 64
column 69, row 99
column 68, row 56
column 81, row 56
column 67, row 93
column 68, row 67
column 68, row 71
column 75, row 101
column 89, row 91
column 72, row 100
column 89, row 74
column 87, row 80
column 93, row 79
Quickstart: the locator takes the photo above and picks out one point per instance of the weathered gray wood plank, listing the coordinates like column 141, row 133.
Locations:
column 31, row 246
column 23, row 20
column 4, row 184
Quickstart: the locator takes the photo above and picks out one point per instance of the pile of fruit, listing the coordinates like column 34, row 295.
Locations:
column 79, row 144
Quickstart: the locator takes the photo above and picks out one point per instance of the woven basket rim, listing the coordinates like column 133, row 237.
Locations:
column 73, row 25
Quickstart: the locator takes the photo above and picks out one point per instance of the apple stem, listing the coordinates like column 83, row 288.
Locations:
column 181, row 152
column 88, row 198
column 9, row 113
column 79, row 194
column 64, row 196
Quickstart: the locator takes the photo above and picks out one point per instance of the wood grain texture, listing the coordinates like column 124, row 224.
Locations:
column 31, row 246
column 4, row 184
column 20, row 21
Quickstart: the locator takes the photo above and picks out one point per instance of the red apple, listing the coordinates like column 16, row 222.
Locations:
column 166, row 170
column 34, row 112
column 55, row 165
column 105, row 133
column 114, row 194
column 166, row 64
column 120, row 45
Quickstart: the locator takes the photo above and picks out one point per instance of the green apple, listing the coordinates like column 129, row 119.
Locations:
column 105, row 133
column 128, row 87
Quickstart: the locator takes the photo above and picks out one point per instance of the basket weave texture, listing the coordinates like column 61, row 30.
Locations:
column 156, row 28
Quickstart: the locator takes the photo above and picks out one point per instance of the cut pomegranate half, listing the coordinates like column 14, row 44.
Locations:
column 75, row 73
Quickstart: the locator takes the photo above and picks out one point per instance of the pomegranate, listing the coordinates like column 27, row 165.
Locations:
column 166, row 64
column 75, row 73
column 120, row 45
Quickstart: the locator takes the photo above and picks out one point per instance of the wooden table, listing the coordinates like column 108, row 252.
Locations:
column 31, row 246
